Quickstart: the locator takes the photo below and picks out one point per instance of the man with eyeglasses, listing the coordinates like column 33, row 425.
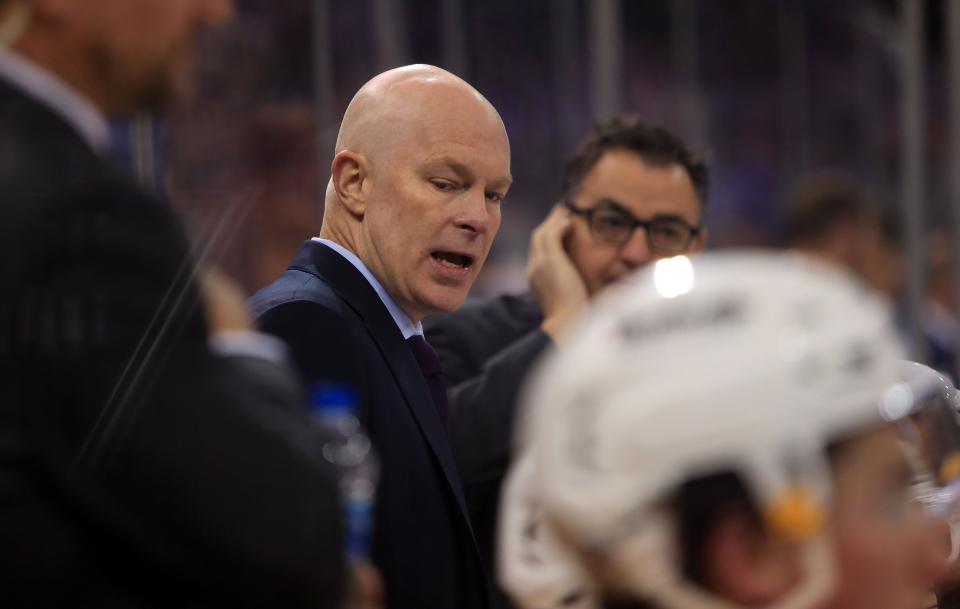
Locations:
column 632, row 193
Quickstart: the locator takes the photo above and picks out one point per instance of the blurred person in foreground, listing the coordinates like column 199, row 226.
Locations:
column 831, row 218
column 718, row 433
column 422, row 165
column 153, row 451
column 631, row 193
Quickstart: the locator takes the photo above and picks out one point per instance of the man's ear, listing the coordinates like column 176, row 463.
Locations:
column 743, row 564
column 349, row 174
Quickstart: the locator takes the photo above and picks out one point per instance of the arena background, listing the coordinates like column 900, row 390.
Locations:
column 767, row 90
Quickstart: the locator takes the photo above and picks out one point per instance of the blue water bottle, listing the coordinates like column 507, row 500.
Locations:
column 334, row 406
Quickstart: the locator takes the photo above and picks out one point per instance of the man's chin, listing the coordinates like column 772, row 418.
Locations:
column 447, row 301
column 155, row 95
column 171, row 83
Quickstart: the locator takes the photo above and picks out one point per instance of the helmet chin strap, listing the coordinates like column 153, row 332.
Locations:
column 14, row 22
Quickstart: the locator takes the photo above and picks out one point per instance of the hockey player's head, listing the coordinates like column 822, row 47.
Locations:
column 718, row 434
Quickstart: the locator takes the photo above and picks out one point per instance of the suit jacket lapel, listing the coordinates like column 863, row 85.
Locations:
column 354, row 289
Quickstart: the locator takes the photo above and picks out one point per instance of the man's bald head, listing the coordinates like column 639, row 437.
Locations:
column 402, row 106
column 421, row 166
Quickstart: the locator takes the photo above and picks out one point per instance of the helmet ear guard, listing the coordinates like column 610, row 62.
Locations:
column 787, row 355
column 534, row 563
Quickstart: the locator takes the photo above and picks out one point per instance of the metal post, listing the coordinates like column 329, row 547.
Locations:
column 391, row 32
column 912, row 195
column 953, row 48
column 795, row 92
column 606, row 57
column 686, row 67
column 567, row 83
column 325, row 119
column 871, row 110
column 142, row 151
column 454, row 37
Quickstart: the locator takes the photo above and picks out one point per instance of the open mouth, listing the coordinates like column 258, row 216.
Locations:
column 453, row 260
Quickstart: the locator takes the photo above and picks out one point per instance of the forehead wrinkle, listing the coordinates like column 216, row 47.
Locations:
column 464, row 170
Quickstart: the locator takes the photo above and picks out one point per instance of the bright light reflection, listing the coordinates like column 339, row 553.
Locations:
column 673, row 276
column 896, row 402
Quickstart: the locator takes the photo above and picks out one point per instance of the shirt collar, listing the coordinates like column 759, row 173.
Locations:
column 403, row 321
column 52, row 92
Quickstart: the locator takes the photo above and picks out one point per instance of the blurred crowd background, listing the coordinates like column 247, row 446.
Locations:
column 770, row 92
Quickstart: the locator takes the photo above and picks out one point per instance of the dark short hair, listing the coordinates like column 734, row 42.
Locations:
column 819, row 202
column 655, row 145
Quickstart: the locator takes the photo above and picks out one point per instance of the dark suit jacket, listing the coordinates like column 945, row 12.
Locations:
column 486, row 350
column 137, row 468
column 339, row 330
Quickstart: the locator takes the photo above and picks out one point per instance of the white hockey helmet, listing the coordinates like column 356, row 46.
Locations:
column 750, row 363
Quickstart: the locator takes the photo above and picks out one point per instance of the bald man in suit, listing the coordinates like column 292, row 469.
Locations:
column 422, row 164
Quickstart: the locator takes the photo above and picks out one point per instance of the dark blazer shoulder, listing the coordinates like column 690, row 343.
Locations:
column 466, row 339
column 522, row 305
column 505, row 316
column 326, row 337
column 320, row 275
column 295, row 285
column 38, row 148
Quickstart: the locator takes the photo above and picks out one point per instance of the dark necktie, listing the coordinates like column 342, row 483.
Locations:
column 430, row 367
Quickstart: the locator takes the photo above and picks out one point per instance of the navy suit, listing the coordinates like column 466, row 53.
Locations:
column 338, row 329
column 486, row 350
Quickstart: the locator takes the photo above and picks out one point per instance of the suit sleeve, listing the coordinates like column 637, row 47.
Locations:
column 483, row 386
column 203, row 465
column 483, row 403
column 322, row 344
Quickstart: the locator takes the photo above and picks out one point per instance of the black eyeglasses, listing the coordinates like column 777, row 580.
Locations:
column 611, row 223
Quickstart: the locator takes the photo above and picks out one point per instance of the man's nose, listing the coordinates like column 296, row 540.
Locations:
column 479, row 215
column 636, row 251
